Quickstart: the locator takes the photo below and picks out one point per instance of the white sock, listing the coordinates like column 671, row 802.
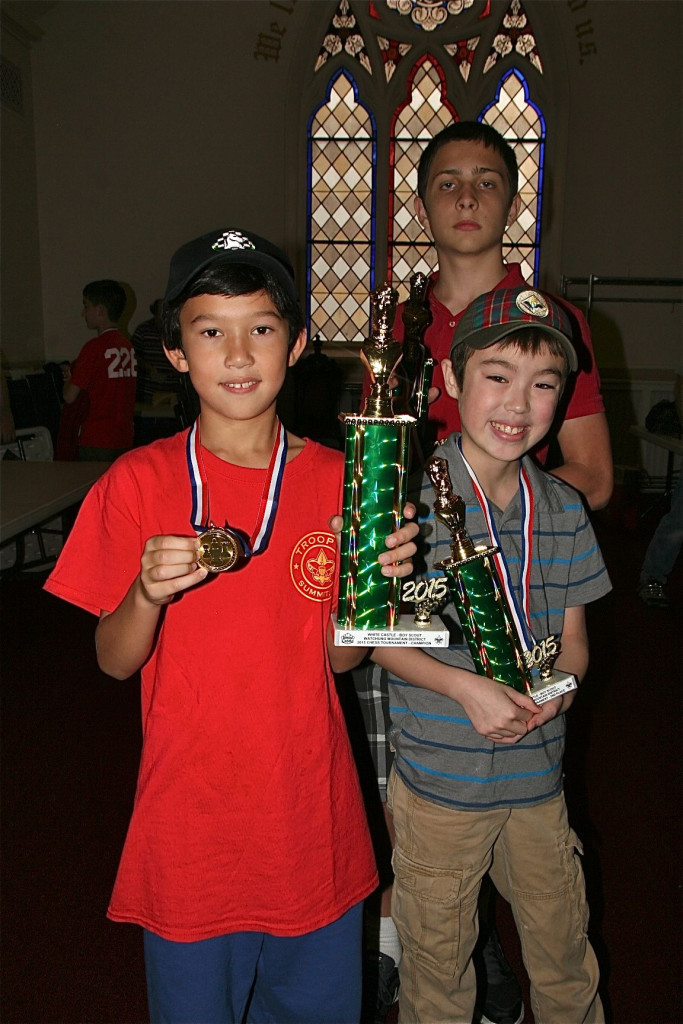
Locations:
column 389, row 941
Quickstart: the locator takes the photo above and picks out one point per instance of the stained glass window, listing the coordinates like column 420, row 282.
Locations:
column 343, row 36
column 422, row 114
column 411, row 100
column 515, row 35
column 521, row 123
column 392, row 52
column 429, row 14
column 341, row 214
column 463, row 54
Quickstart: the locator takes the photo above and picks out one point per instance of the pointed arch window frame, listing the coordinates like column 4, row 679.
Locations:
column 541, row 142
column 387, row 136
column 347, row 73
column 425, row 58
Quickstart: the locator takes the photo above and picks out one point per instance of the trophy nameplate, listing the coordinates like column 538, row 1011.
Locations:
column 547, row 681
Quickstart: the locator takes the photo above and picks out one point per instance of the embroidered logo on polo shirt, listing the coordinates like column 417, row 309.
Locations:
column 532, row 303
column 313, row 565
column 233, row 240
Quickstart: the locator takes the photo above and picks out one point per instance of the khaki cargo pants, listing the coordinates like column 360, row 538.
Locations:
column 440, row 858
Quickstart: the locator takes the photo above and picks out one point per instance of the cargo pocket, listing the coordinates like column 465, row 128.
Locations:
column 576, row 888
column 427, row 909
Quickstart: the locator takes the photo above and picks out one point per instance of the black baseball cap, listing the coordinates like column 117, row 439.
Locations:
column 495, row 315
column 231, row 244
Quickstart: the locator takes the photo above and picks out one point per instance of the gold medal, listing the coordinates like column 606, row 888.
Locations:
column 219, row 549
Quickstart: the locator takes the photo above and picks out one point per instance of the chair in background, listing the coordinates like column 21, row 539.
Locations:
column 35, row 402
column 46, row 400
column 21, row 403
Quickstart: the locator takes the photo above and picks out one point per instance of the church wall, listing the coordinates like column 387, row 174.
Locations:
column 21, row 311
column 157, row 121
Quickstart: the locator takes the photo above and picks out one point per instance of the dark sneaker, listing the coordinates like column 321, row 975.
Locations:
column 501, row 999
column 385, row 972
column 651, row 593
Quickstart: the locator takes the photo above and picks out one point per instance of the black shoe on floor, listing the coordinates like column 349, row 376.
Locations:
column 501, row 999
column 385, row 972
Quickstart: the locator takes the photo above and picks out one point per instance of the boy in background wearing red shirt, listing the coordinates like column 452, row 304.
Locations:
column 106, row 370
column 248, row 856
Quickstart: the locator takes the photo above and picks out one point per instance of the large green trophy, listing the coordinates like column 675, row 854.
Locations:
column 375, row 479
column 482, row 608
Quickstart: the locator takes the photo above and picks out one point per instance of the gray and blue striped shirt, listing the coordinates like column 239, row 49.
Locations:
column 439, row 754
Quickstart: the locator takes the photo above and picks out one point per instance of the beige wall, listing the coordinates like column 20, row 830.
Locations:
column 154, row 121
column 622, row 200
column 154, row 124
column 21, row 309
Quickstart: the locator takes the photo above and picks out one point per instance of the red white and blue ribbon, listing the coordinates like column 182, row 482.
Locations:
column 200, row 491
column 201, row 511
column 520, row 615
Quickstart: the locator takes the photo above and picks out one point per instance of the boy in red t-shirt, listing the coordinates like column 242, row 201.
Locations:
column 248, row 856
column 105, row 369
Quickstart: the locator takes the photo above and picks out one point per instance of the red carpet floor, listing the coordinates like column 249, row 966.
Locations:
column 70, row 741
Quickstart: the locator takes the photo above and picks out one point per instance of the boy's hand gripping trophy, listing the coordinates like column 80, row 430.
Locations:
column 480, row 601
column 375, row 479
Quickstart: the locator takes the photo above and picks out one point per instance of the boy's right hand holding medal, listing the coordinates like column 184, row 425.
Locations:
column 169, row 566
column 125, row 636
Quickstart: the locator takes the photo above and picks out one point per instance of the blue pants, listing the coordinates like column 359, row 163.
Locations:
column 258, row 978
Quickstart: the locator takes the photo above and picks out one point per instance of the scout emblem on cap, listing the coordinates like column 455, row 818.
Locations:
column 233, row 240
column 532, row 303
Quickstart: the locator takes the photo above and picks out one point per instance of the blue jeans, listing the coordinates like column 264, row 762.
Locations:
column 258, row 978
column 665, row 545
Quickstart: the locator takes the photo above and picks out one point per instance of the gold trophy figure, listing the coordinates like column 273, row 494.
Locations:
column 381, row 353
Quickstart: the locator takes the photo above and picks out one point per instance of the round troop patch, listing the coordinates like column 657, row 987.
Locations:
column 313, row 565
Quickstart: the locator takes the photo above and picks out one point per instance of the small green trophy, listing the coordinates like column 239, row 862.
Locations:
column 482, row 607
column 376, row 458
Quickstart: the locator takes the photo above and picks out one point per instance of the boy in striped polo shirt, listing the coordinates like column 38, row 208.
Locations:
column 476, row 783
